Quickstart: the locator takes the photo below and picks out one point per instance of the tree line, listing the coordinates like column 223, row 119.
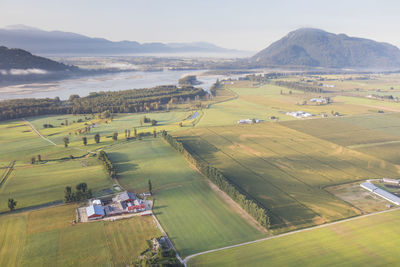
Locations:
column 108, row 165
column 259, row 213
column 126, row 101
column 300, row 86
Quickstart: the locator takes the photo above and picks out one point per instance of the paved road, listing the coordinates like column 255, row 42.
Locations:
column 38, row 133
column 285, row 234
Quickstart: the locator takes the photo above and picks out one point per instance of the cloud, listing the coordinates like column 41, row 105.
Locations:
column 23, row 72
column 122, row 66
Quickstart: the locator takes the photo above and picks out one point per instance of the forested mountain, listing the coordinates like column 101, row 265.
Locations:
column 318, row 48
column 58, row 42
column 21, row 59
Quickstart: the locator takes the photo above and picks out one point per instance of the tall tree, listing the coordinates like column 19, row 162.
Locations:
column 68, row 194
column 150, row 187
column 66, row 141
column 11, row 204
column 84, row 139
column 97, row 138
column 115, row 136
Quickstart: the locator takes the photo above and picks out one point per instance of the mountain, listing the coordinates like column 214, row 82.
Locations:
column 58, row 42
column 317, row 48
column 23, row 60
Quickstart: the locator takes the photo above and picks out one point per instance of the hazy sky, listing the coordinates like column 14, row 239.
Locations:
column 241, row 24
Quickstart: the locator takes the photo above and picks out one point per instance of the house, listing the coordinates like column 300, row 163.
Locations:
column 95, row 212
column 299, row 114
column 318, row 100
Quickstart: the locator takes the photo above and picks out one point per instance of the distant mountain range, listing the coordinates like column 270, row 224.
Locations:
column 317, row 48
column 23, row 60
column 58, row 42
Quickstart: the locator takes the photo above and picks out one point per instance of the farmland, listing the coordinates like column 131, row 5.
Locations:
column 43, row 183
column 48, row 237
column 192, row 214
column 305, row 172
column 363, row 241
column 285, row 170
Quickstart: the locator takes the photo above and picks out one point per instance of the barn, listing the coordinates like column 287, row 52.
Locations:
column 95, row 212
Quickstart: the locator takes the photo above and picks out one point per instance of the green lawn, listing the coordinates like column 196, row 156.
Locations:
column 193, row 215
column 370, row 241
column 37, row 184
column 48, row 238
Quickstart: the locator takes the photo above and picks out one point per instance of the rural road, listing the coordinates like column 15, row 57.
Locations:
column 286, row 234
column 167, row 238
column 38, row 133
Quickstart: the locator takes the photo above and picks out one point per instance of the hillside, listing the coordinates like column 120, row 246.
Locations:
column 318, row 48
column 21, row 59
column 58, row 42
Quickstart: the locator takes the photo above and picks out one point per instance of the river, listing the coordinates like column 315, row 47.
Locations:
column 107, row 82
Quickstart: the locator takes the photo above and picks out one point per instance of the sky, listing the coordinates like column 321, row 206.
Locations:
column 246, row 24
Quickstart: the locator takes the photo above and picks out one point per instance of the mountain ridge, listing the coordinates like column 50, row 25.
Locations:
column 58, row 42
column 317, row 48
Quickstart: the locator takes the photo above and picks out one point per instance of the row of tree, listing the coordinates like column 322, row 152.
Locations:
column 131, row 101
column 300, row 86
column 108, row 165
column 258, row 212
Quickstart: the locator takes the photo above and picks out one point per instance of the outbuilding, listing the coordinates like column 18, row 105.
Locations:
column 95, row 212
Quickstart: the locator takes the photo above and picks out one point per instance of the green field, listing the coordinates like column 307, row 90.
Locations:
column 106, row 128
column 285, row 170
column 48, row 238
column 193, row 215
column 369, row 241
column 375, row 134
column 37, row 184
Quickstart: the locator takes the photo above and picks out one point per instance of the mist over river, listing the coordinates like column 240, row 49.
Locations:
column 107, row 82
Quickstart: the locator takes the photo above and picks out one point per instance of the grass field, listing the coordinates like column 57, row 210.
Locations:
column 48, row 238
column 369, row 241
column 37, row 184
column 375, row 134
column 106, row 128
column 193, row 215
column 269, row 100
column 285, row 170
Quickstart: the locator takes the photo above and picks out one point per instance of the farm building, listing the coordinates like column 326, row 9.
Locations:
column 391, row 181
column 380, row 192
column 299, row 114
column 123, row 203
column 319, row 100
column 95, row 212
column 125, row 197
column 248, row 121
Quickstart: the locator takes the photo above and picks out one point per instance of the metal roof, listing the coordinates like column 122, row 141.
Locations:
column 94, row 210
column 126, row 195
column 382, row 193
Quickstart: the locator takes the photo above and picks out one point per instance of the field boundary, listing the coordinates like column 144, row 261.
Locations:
column 287, row 234
column 7, row 173
column 38, row 133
